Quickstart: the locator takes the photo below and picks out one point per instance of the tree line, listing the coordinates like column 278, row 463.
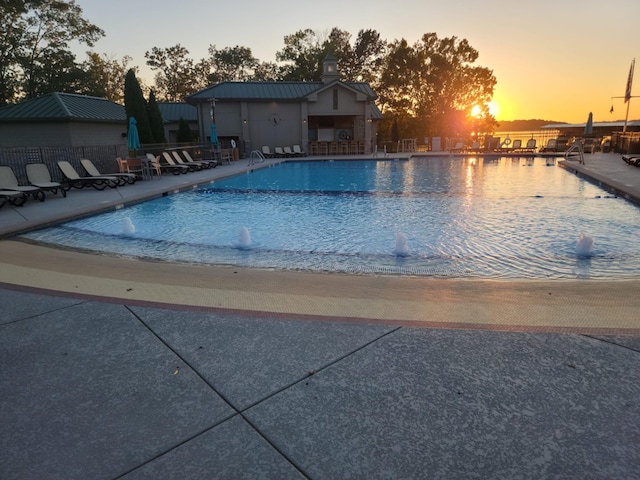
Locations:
column 425, row 88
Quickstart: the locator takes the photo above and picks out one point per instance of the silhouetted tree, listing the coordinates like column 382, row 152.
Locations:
column 35, row 57
column 155, row 119
column 136, row 106
column 184, row 132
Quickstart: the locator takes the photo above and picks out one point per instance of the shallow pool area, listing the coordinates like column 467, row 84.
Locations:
column 436, row 216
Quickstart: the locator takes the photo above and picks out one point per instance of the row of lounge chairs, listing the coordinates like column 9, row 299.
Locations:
column 41, row 182
column 40, row 179
column 175, row 163
column 505, row 147
column 294, row 151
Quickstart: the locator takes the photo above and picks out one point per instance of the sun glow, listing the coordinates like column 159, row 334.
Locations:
column 494, row 109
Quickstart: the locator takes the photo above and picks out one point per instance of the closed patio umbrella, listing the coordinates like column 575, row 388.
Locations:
column 214, row 134
column 133, row 140
column 588, row 128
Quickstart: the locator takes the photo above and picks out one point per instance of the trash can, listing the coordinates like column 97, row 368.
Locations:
column 435, row 144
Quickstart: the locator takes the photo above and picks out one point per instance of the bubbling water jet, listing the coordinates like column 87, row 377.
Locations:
column 244, row 238
column 402, row 246
column 584, row 245
column 128, row 228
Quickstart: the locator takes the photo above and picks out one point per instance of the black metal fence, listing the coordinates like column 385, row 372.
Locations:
column 102, row 156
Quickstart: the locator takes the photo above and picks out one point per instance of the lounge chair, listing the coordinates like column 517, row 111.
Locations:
column 122, row 178
column 530, row 146
column 632, row 160
column 459, row 147
column 73, row 179
column 474, row 148
column 266, row 151
column 298, row 151
column 39, row 176
column 12, row 197
column 8, row 181
column 279, row 152
column 516, row 146
column 551, row 146
column 288, row 152
column 207, row 163
column 172, row 166
column 178, row 161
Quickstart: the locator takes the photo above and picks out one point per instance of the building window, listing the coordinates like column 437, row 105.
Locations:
column 335, row 99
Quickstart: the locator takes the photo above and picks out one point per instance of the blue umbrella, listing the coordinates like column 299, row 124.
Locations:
column 214, row 134
column 133, row 140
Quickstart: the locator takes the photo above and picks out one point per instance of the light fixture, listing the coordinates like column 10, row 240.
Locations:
column 244, row 120
column 304, row 120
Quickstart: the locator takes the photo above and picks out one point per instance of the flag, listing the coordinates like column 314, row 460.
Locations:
column 627, row 92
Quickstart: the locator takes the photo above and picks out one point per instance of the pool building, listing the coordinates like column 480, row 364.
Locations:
column 326, row 117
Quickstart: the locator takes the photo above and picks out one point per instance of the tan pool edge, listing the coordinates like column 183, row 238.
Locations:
column 571, row 305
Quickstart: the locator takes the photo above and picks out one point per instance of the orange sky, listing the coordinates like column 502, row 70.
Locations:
column 554, row 60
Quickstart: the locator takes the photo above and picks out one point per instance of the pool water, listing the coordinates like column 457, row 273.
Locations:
column 445, row 216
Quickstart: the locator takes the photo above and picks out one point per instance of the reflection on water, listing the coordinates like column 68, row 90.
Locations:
column 493, row 218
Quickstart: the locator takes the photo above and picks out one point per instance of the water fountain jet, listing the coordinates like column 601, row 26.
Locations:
column 128, row 228
column 402, row 247
column 244, row 238
column 584, row 245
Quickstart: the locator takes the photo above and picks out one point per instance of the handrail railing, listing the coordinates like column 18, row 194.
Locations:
column 578, row 148
column 256, row 156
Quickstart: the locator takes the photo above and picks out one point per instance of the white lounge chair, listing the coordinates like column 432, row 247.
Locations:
column 298, row 151
column 39, row 176
column 73, row 179
column 12, row 197
column 266, row 151
column 207, row 163
column 8, row 181
column 172, row 166
column 122, row 178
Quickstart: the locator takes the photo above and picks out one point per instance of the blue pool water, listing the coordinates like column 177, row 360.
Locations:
column 451, row 217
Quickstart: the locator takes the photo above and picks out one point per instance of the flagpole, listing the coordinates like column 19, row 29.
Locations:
column 627, row 94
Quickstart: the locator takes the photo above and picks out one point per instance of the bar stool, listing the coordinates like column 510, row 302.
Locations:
column 323, row 148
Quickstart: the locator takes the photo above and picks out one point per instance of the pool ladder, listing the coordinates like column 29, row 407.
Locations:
column 256, row 156
column 576, row 148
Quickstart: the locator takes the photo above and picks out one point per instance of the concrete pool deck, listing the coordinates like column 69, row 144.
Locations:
column 122, row 368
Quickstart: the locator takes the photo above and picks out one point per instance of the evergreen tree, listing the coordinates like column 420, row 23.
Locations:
column 184, row 132
column 136, row 106
column 155, row 120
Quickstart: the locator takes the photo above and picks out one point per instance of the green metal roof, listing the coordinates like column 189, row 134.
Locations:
column 64, row 107
column 283, row 91
column 172, row 112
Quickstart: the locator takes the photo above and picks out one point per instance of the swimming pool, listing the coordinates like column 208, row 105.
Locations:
column 434, row 216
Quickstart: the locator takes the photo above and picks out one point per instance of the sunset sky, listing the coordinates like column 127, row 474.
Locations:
column 554, row 60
